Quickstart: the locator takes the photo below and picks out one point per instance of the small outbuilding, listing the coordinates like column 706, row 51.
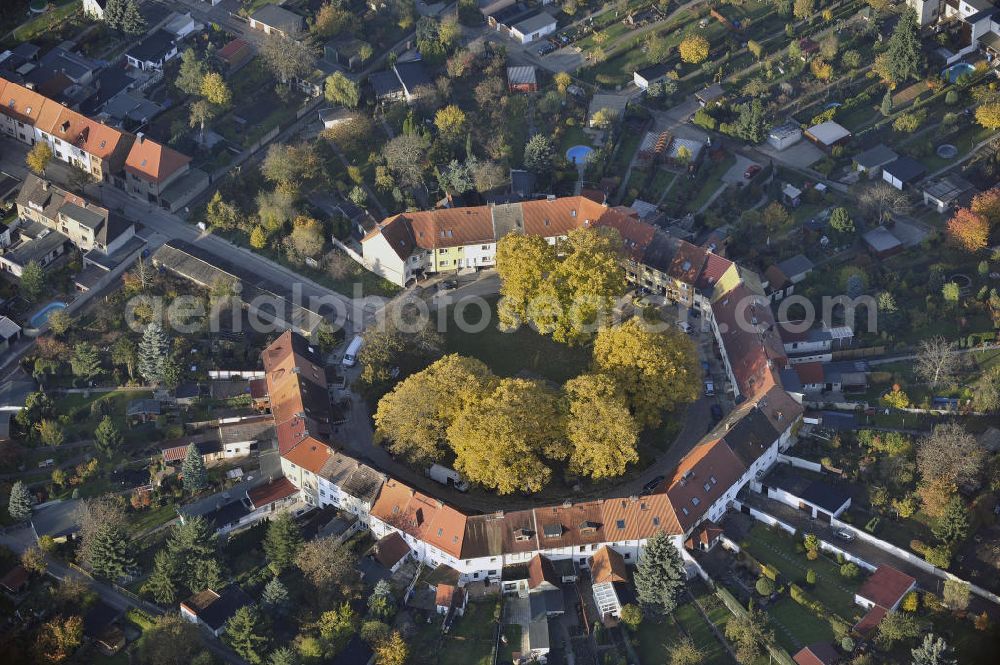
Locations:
column 882, row 243
column 903, row 172
column 873, row 159
column 784, row 136
column 828, row 134
column 213, row 609
column 522, row 79
column 951, row 191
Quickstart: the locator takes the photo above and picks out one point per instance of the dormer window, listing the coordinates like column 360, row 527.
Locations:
column 656, row 521
column 685, row 510
column 521, row 535
column 620, row 524
column 552, row 530
column 707, row 486
column 695, row 500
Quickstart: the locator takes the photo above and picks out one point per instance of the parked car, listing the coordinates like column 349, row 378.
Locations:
column 844, row 534
column 709, row 388
column 448, row 285
column 716, row 412
column 751, row 171
column 652, row 484
column 685, row 327
column 546, row 48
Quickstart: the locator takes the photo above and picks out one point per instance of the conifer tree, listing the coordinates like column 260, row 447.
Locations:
column 193, row 468
column 659, row 577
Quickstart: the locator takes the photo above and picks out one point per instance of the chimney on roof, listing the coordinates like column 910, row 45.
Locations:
column 45, row 185
column 140, row 137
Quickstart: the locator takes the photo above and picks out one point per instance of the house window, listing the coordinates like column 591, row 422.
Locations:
column 695, row 500
column 620, row 524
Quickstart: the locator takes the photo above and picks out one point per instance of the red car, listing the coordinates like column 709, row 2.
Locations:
column 751, row 171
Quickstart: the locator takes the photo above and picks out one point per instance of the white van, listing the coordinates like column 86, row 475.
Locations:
column 685, row 327
column 351, row 354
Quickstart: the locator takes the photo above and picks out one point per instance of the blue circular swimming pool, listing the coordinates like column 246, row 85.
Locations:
column 579, row 154
column 41, row 317
column 955, row 71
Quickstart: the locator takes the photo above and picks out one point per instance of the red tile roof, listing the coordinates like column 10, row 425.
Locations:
column 607, row 565
column 809, row 373
column 310, row 454
column 821, row 653
column 390, row 549
column 420, row 516
column 751, row 342
column 540, row 570
column 871, row 620
column 231, row 49
column 276, row 490
column 701, row 477
column 713, row 270
column 447, row 595
column 154, row 162
column 886, row 587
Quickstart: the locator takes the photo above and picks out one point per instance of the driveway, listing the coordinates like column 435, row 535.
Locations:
column 734, row 176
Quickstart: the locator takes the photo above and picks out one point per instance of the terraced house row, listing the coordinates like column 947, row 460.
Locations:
column 145, row 169
column 479, row 546
column 409, row 245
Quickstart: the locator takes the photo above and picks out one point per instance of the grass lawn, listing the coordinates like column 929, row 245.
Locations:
column 572, row 136
column 509, row 353
column 140, row 522
column 512, row 633
column 654, row 640
column 795, row 626
column 694, row 625
column 710, row 181
column 82, row 422
column 43, row 22
column 778, row 550
column 471, row 639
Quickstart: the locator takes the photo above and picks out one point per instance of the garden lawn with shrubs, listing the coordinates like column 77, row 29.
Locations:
column 795, row 626
column 700, row 632
column 777, row 549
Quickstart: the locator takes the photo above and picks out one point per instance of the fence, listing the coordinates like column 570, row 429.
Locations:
column 847, row 354
column 227, row 374
column 729, row 600
column 800, row 463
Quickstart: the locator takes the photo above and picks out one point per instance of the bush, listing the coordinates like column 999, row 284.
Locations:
column 850, row 570
column 911, row 603
column 812, row 555
column 769, row 572
column 764, row 586
column 139, row 618
column 811, row 576
column 847, row 644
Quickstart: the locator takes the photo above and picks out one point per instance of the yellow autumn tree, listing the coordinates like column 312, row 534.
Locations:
column 258, row 237
column 451, row 123
column 501, row 440
column 562, row 81
column 602, row 432
column 694, row 49
column 413, row 419
column 655, row 370
column 38, row 157
column 215, row 90
column 988, row 115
